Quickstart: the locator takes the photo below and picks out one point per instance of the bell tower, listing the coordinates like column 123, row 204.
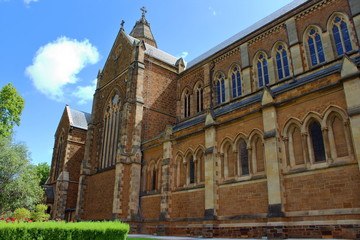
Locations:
column 142, row 30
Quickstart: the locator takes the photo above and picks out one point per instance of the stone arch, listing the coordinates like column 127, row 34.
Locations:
column 257, row 151
column 338, row 130
column 227, row 158
column 199, row 157
column 179, row 178
column 316, row 139
column 293, row 143
column 241, row 145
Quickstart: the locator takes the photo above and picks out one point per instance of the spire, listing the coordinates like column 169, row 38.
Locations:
column 142, row 30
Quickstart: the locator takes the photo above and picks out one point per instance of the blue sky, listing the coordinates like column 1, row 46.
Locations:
column 51, row 50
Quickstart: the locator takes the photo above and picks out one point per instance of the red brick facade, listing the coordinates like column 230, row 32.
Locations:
column 258, row 139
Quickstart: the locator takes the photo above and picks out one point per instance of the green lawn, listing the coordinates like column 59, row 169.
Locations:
column 141, row 239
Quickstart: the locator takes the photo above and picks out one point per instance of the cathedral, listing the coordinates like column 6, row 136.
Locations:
column 257, row 137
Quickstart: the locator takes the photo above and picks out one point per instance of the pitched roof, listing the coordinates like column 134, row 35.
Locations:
column 294, row 4
column 78, row 118
column 155, row 52
column 142, row 30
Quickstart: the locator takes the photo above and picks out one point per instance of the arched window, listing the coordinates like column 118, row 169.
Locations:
column 187, row 103
column 317, row 141
column 236, row 82
column 262, row 70
column 338, row 129
column 341, row 35
column 228, row 162
column 59, row 155
column 199, row 98
column 200, row 166
column 220, row 89
column 294, row 143
column 153, row 180
column 111, row 130
column 258, row 154
column 179, row 170
column 191, row 170
column 315, row 47
column 282, row 62
column 243, row 158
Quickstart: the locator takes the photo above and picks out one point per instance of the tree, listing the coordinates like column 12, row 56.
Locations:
column 11, row 106
column 19, row 181
column 43, row 171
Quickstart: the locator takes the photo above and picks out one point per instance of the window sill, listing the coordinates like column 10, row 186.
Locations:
column 243, row 178
column 343, row 161
column 149, row 193
column 189, row 187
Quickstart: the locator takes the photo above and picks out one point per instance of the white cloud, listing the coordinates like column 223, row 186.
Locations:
column 56, row 65
column 29, row 1
column 86, row 93
column 213, row 11
column 183, row 55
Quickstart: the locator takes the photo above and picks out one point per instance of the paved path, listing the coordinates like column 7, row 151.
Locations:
column 192, row 238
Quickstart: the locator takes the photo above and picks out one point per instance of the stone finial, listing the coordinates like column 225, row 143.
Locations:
column 122, row 25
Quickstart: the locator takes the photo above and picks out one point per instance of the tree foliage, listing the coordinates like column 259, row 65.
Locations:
column 43, row 171
column 11, row 106
column 19, row 181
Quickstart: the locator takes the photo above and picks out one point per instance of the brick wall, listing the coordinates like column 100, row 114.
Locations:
column 326, row 189
column 187, row 204
column 150, row 207
column 99, row 196
column 244, row 199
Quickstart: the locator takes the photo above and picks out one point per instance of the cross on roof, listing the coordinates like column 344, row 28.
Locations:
column 122, row 24
column 143, row 9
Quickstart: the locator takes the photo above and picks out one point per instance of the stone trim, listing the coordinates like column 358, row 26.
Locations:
column 266, row 34
column 227, row 54
column 313, row 8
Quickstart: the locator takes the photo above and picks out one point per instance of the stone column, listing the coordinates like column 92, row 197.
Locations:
column 165, row 171
column 294, row 46
column 210, row 160
column 355, row 12
column 351, row 81
column 246, row 69
column 271, row 155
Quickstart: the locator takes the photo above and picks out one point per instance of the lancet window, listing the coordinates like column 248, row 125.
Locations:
column 282, row 62
column 262, row 70
column 111, row 132
column 315, row 47
column 236, row 82
column 341, row 35
column 220, row 88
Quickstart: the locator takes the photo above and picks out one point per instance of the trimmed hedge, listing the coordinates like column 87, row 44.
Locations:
column 63, row 231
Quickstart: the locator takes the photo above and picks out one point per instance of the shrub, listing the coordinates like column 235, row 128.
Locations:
column 64, row 231
column 39, row 214
column 22, row 213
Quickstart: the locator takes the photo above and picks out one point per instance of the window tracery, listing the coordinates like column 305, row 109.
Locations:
column 111, row 132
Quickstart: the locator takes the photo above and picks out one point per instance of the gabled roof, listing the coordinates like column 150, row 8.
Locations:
column 78, row 118
column 294, row 4
column 155, row 52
